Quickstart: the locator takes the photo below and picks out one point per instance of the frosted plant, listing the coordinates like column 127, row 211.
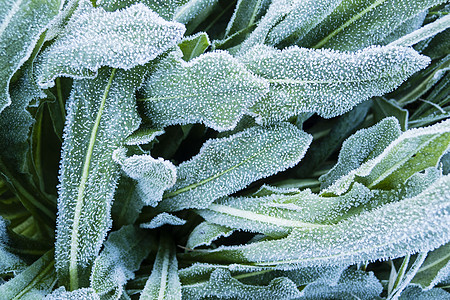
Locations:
column 210, row 149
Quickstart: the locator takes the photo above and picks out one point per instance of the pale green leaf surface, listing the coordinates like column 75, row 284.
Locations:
column 153, row 176
column 214, row 89
column 229, row 164
column 278, row 215
column 163, row 219
column 122, row 255
column 62, row 294
column 196, row 10
column 206, row 233
column 127, row 203
column 143, row 136
column 194, row 46
column 34, row 282
column 353, row 284
column 101, row 114
column 356, row 24
column 164, row 8
column 222, row 285
column 163, row 282
column 420, row 223
column 21, row 24
column 246, row 13
column 361, row 147
column 9, row 262
column 414, row 292
column 326, row 82
column 406, row 28
column 435, row 268
column 93, row 38
column 389, row 108
column 413, row 151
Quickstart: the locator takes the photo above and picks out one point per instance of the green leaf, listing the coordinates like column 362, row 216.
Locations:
column 416, row 293
column 222, row 285
column 9, row 262
column 213, row 89
column 229, row 164
column 164, row 9
column 406, row 28
column 127, row 203
column 353, row 284
column 194, row 46
column 93, row 38
column 143, row 135
column 163, row 219
column 205, row 233
column 34, row 282
column 411, row 225
column 277, row 215
column 62, row 294
column 389, row 108
column 423, row 33
column 326, row 82
column 361, row 147
column 357, row 24
column 435, row 269
column 413, row 151
column 22, row 23
column 194, row 11
column 163, row 282
column 101, row 114
column 121, row 256
column 246, row 14
column 153, row 176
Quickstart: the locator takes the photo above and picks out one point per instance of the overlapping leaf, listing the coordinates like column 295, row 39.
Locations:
column 93, row 38
column 206, row 233
column 101, row 114
column 326, row 82
column 414, row 224
column 213, row 89
column 229, row 164
column 22, row 23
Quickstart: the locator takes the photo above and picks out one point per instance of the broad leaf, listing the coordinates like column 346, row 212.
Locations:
column 246, row 14
column 127, row 203
column 194, row 46
column 357, row 24
column 229, row 164
column 9, row 262
column 205, row 233
column 411, row 225
column 143, row 135
column 153, row 176
column 435, row 269
column 413, row 151
column 414, row 292
column 194, row 11
column 163, row 282
column 93, row 38
column 213, row 89
column 389, row 108
column 164, row 9
column 101, row 114
column 122, row 255
column 326, row 82
column 21, row 24
column 62, row 294
column 163, row 219
column 34, row 282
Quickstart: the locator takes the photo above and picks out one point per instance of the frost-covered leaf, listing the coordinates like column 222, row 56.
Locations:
column 435, row 269
column 389, row 108
column 143, row 136
column 163, row 219
column 414, row 292
column 34, row 282
column 193, row 46
column 154, row 176
column 229, row 164
column 127, row 204
column 353, row 284
column 413, row 151
column 419, row 223
column 326, row 82
column 357, row 24
column 205, row 233
column 222, row 285
column 194, row 11
column 9, row 262
column 213, row 89
column 21, row 24
column 246, row 14
column 361, row 147
column 101, row 114
column 423, row 33
column 93, row 38
column 406, row 27
column 62, row 294
column 163, row 282
column 164, row 8
column 122, row 255
column 277, row 215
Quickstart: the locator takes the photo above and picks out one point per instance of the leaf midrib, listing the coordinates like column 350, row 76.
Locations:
column 73, row 258
column 348, row 23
